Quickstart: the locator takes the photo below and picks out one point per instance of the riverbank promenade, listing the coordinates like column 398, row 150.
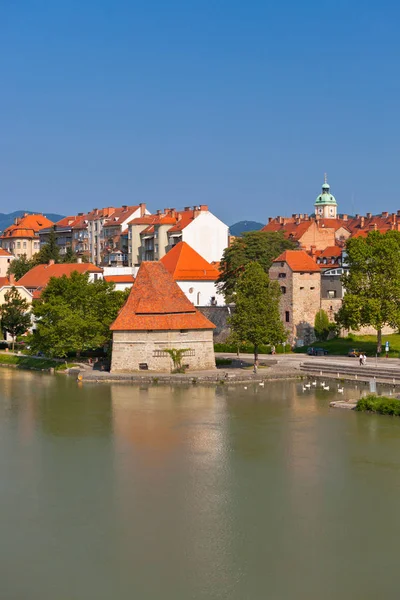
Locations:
column 271, row 368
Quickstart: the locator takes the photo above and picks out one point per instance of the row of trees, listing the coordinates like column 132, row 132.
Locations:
column 50, row 251
column 73, row 315
column 371, row 283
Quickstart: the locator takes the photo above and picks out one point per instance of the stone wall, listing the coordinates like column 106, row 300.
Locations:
column 218, row 315
column 131, row 348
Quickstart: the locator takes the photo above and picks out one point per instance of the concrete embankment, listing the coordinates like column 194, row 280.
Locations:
column 339, row 370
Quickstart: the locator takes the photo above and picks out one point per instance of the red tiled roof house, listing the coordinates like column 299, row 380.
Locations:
column 195, row 276
column 158, row 316
column 22, row 238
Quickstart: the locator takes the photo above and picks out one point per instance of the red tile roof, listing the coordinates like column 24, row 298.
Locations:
column 4, row 252
column 290, row 228
column 120, row 278
column 4, row 281
column 298, row 260
column 39, row 276
column 120, row 215
column 331, row 251
column 157, row 303
column 185, row 264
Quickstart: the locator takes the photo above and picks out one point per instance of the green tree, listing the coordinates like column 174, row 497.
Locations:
column 256, row 318
column 322, row 326
column 19, row 267
column 74, row 314
column 70, row 256
column 372, row 284
column 49, row 251
column 254, row 246
column 15, row 317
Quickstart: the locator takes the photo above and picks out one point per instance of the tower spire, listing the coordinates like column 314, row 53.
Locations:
column 325, row 178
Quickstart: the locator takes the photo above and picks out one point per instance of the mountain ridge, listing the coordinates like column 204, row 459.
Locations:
column 237, row 229
column 7, row 219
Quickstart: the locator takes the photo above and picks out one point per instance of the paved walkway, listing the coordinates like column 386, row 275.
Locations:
column 279, row 366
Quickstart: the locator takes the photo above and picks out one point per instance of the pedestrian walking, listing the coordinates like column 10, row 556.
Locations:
column 364, row 359
column 360, row 356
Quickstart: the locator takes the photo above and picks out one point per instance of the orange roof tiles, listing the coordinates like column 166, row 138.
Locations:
column 157, row 303
column 331, row 251
column 4, row 281
column 291, row 229
column 120, row 214
column 185, row 264
column 298, row 260
column 4, row 252
column 39, row 276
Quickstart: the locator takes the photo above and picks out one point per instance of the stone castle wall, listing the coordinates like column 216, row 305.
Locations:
column 132, row 348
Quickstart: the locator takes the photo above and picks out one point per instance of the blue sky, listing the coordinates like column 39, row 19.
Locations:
column 239, row 105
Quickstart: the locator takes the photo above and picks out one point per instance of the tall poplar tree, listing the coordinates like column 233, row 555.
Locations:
column 256, row 318
column 372, row 284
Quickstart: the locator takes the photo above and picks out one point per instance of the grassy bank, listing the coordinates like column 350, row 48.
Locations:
column 379, row 404
column 363, row 343
column 28, row 362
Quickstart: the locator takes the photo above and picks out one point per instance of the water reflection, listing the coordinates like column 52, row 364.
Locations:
column 116, row 491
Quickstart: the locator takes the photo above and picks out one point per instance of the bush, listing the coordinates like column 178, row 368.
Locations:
column 379, row 404
column 249, row 348
column 223, row 362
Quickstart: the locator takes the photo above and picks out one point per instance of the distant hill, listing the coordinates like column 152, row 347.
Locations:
column 238, row 228
column 7, row 219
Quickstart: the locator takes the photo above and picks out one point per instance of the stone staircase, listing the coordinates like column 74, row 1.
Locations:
column 390, row 374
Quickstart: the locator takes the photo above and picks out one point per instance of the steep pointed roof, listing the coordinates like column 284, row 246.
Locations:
column 185, row 264
column 156, row 302
column 298, row 260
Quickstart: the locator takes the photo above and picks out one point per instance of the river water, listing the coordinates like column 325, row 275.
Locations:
column 114, row 492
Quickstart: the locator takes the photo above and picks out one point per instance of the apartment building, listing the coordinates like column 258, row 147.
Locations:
column 152, row 236
column 105, row 227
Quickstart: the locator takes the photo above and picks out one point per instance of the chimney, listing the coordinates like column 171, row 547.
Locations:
column 394, row 218
column 345, row 218
column 96, row 211
column 80, row 214
column 361, row 222
column 357, row 216
column 280, row 220
column 270, row 219
column 369, row 215
column 196, row 211
column 385, row 215
column 159, row 212
column 124, row 207
column 142, row 207
column 11, row 279
column 51, row 262
column 373, row 227
column 203, row 207
column 313, row 250
column 187, row 208
column 398, row 213
column 172, row 212
column 79, row 260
